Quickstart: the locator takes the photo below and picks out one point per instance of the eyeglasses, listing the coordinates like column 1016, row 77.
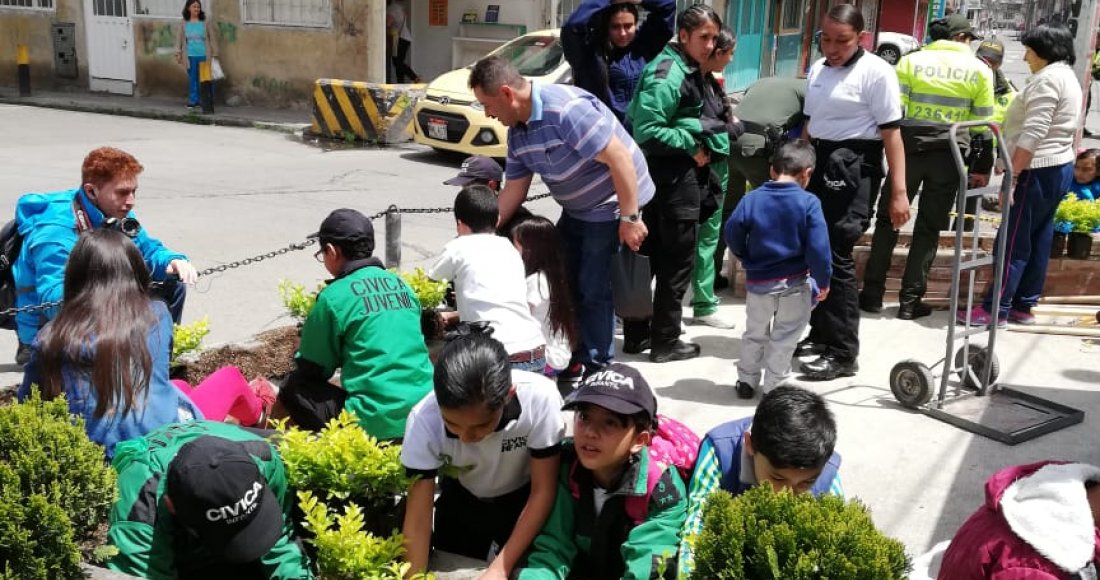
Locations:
column 319, row 255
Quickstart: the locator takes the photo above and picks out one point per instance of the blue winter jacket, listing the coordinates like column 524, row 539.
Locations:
column 163, row 403
column 612, row 74
column 48, row 226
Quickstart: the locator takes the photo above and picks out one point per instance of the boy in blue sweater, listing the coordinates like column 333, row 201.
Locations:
column 778, row 232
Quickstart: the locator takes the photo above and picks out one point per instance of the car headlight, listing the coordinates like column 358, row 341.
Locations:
column 476, row 106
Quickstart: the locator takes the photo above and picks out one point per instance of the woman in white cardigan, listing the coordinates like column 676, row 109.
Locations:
column 1040, row 126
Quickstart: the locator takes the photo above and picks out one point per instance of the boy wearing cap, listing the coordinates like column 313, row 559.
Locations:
column 788, row 444
column 203, row 499
column 596, row 529
column 366, row 322
column 493, row 435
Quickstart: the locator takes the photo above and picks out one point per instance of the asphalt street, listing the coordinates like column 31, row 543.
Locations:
column 222, row 194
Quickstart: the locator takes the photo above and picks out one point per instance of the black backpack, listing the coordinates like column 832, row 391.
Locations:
column 11, row 242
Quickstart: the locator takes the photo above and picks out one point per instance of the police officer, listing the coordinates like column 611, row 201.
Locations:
column 983, row 146
column 940, row 85
column 771, row 107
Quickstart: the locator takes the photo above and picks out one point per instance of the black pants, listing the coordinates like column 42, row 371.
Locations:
column 670, row 246
column 468, row 525
column 401, row 69
column 853, row 170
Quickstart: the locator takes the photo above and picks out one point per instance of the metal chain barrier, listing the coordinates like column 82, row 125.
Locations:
column 293, row 247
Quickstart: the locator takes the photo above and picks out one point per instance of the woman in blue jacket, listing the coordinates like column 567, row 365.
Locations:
column 608, row 48
column 107, row 351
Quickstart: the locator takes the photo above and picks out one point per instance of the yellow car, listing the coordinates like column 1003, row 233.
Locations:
column 449, row 118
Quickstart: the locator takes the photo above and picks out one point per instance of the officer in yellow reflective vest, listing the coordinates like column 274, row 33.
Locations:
column 983, row 146
column 942, row 84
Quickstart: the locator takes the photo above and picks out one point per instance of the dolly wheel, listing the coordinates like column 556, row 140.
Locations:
column 971, row 374
column 911, row 382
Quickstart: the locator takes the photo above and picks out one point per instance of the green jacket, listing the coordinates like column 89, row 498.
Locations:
column 144, row 531
column 366, row 322
column 942, row 84
column 613, row 545
column 666, row 111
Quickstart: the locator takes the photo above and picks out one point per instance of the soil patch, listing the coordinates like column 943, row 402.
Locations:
column 270, row 354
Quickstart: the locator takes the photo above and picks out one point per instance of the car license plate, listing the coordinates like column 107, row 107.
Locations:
column 437, row 128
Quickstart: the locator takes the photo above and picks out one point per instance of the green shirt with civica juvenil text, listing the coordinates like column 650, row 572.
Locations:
column 367, row 324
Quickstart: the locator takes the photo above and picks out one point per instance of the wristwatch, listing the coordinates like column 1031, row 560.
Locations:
column 632, row 218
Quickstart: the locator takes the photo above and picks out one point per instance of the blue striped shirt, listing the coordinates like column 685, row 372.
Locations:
column 568, row 128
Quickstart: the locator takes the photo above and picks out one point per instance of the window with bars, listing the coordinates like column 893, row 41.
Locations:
column 312, row 13
column 791, row 15
column 28, row 4
column 164, row 8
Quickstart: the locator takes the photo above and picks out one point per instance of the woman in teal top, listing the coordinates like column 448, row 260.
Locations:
column 194, row 46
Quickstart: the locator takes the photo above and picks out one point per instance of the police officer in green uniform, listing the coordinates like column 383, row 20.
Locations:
column 771, row 107
column 942, row 84
column 366, row 322
column 983, row 145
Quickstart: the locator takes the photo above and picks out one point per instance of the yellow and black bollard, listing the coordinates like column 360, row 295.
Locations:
column 206, row 87
column 23, row 62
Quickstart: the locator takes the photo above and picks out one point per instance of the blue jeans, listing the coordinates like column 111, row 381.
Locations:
column 588, row 249
column 193, row 79
column 535, row 366
column 1030, row 231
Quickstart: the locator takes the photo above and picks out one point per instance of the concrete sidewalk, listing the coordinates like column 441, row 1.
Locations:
column 162, row 108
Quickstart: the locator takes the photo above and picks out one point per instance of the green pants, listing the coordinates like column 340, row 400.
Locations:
column 935, row 171
column 703, row 300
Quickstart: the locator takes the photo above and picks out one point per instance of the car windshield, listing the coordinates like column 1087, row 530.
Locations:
column 533, row 56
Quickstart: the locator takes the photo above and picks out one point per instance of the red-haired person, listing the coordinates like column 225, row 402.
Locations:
column 50, row 224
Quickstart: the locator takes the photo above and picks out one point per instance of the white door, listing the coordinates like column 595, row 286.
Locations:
column 110, row 35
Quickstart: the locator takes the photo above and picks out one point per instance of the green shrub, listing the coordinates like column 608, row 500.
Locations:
column 297, row 300
column 429, row 292
column 345, row 551
column 1082, row 215
column 343, row 462
column 763, row 535
column 188, row 337
column 55, row 491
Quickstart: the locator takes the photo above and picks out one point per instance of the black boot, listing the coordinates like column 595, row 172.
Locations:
column 869, row 303
column 678, row 350
column 913, row 309
column 828, row 367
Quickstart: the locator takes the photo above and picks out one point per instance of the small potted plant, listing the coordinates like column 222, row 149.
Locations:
column 767, row 535
column 1083, row 218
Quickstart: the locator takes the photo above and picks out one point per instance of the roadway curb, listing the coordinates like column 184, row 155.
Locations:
column 193, row 118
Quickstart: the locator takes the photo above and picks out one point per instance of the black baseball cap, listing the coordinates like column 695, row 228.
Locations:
column 346, row 225
column 475, row 169
column 218, row 492
column 959, row 24
column 992, row 51
column 618, row 388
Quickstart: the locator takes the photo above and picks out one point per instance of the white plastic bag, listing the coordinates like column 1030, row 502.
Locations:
column 216, row 72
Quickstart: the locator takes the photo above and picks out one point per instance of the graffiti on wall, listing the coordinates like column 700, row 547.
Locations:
column 227, row 32
column 270, row 85
column 158, row 38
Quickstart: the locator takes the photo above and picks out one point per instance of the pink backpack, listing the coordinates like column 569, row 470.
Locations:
column 672, row 444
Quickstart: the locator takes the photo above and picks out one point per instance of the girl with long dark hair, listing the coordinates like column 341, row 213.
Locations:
column 548, row 292
column 107, row 351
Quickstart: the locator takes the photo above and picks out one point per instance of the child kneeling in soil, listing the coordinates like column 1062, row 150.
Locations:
column 619, row 509
column 492, row 434
column 788, row 444
column 366, row 323
column 108, row 352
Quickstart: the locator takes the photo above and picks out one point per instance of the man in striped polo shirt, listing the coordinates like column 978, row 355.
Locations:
column 593, row 169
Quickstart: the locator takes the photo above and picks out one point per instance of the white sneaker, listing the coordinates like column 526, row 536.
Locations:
column 714, row 320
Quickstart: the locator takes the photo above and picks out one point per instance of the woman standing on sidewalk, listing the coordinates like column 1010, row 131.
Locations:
column 1039, row 127
column 853, row 111
column 194, row 45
